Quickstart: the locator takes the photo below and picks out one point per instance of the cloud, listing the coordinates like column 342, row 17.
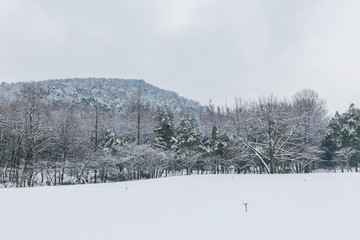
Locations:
column 202, row 49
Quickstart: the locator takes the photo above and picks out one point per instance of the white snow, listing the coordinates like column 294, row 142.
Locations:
column 315, row 206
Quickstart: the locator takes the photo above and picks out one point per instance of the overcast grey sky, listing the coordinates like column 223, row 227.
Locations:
column 202, row 49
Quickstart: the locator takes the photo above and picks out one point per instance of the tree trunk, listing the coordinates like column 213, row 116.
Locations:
column 95, row 175
column 138, row 128
column 22, row 181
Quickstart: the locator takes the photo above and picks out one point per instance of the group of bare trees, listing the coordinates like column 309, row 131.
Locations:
column 38, row 139
column 278, row 136
column 50, row 143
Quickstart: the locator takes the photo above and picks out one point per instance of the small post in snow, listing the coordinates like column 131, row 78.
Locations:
column 245, row 204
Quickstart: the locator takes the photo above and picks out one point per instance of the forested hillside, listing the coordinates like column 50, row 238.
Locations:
column 109, row 94
column 100, row 130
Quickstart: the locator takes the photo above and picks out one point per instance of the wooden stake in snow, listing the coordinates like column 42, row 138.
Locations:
column 245, row 204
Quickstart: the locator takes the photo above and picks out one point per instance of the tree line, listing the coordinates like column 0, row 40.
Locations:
column 46, row 142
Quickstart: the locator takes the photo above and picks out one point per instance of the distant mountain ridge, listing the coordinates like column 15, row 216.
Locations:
column 110, row 93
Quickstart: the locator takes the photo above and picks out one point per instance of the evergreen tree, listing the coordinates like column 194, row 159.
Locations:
column 188, row 135
column 187, row 142
column 164, row 130
column 215, row 147
column 344, row 138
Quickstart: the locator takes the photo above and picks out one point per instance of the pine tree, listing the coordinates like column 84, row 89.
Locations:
column 215, row 145
column 215, row 148
column 188, row 134
column 164, row 130
column 187, row 142
column 344, row 134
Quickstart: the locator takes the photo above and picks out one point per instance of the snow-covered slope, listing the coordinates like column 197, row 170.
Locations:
column 110, row 93
column 316, row 206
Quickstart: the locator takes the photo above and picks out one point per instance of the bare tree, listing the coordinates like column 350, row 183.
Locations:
column 265, row 128
column 312, row 128
column 143, row 115
column 33, row 117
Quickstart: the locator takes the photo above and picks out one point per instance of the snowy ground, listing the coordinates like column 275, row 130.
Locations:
column 316, row 206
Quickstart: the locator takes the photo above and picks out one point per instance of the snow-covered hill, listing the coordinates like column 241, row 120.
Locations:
column 112, row 94
column 316, row 206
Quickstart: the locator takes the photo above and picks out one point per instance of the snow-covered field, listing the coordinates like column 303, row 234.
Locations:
column 315, row 206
